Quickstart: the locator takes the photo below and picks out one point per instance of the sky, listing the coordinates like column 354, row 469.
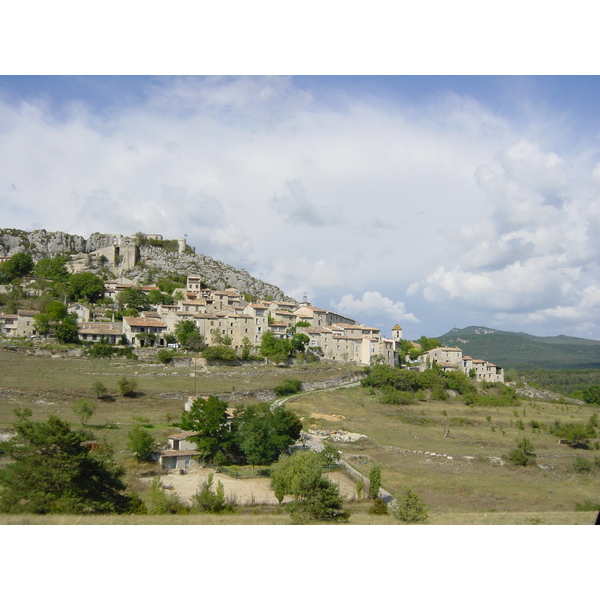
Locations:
column 429, row 201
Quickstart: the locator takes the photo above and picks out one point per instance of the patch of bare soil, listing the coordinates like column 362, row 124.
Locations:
column 328, row 417
column 255, row 490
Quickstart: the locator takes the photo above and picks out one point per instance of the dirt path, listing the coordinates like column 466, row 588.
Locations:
column 240, row 491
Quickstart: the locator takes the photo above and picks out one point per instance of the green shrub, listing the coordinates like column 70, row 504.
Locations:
column 378, row 507
column 384, row 376
column 409, row 508
column 588, row 506
column 165, row 356
column 127, row 387
column 581, row 465
column 576, row 434
column 522, row 455
column 459, row 382
column 205, row 500
column 99, row 389
column 141, row 443
column 438, row 393
column 219, row 353
column 288, row 387
column 162, row 503
column 393, row 396
column 101, row 350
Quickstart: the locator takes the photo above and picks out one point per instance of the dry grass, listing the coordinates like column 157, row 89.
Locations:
column 457, row 491
column 474, row 480
column 259, row 516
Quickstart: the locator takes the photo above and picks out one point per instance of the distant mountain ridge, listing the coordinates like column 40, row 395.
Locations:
column 523, row 350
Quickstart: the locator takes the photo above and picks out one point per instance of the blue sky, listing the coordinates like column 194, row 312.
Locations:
column 428, row 201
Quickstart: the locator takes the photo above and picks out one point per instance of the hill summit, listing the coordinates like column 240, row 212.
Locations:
column 523, row 350
column 140, row 258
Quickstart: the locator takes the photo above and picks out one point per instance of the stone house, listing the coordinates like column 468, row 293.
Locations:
column 317, row 317
column 452, row 359
column 94, row 332
column 285, row 317
column 136, row 330
column 26, row 323
column 81, row 310
column 259, row 314
column 181, row 453
column 8, row 325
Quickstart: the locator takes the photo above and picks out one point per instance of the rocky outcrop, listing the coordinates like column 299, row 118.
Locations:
column 152, row 259
column 40, row 243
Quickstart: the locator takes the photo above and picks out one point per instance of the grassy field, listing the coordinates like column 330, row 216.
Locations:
column 48, row 385
column 261, row 516
column 449, row 453
column 452, row 454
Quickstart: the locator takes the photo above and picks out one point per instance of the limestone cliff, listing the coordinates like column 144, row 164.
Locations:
column 153, row 259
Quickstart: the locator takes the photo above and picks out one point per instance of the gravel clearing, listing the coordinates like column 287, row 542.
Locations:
column 239, row 491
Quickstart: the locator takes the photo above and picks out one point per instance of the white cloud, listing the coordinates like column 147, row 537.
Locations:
column 328, row 195
column 374, row 304
column 528, row 257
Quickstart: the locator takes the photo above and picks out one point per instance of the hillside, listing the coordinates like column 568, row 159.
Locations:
column 524, row 351
column 140, row 258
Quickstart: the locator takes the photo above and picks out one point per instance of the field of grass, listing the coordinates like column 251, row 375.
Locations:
column 451, row 454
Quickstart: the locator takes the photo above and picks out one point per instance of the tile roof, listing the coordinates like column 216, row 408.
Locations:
column 179, row 453
column 141, row 322
column 182, row 435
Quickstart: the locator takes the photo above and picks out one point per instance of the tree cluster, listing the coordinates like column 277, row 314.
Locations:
column 316, row 498
column 54, row 318
column 255, row 435
column 280, row 349
column 54, row 469
column 399, row 385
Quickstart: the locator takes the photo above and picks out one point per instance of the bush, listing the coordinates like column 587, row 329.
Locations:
column 588, row 506
column 409, row 508
column 100, row 350
column 127, row 387
column 522, row 455
column 393, row 396
column 288, row 387
column 576, row 434
column 378, row 507
column 205, row 500
column 581, row 465
column 141, row 443
column 219, row 353
column 99, row 389
column 162, row 503
column 384, row 376
column 165, row 356
column 374, row 481
column 459, row 382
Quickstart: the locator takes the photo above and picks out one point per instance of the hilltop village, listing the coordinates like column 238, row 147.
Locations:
column 228, row 314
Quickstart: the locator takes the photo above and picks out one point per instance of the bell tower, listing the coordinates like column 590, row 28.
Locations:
column 397, row 336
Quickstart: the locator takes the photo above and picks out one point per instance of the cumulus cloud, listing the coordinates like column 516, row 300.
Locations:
column 374, row 304
column 328, row 193
column 534, row 256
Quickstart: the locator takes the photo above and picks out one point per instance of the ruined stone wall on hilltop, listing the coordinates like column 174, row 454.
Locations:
column 43, row 244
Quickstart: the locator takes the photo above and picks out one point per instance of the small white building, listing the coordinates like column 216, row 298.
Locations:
column 181, row 453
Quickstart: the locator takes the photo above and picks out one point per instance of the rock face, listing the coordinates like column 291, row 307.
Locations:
column 154, row 261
